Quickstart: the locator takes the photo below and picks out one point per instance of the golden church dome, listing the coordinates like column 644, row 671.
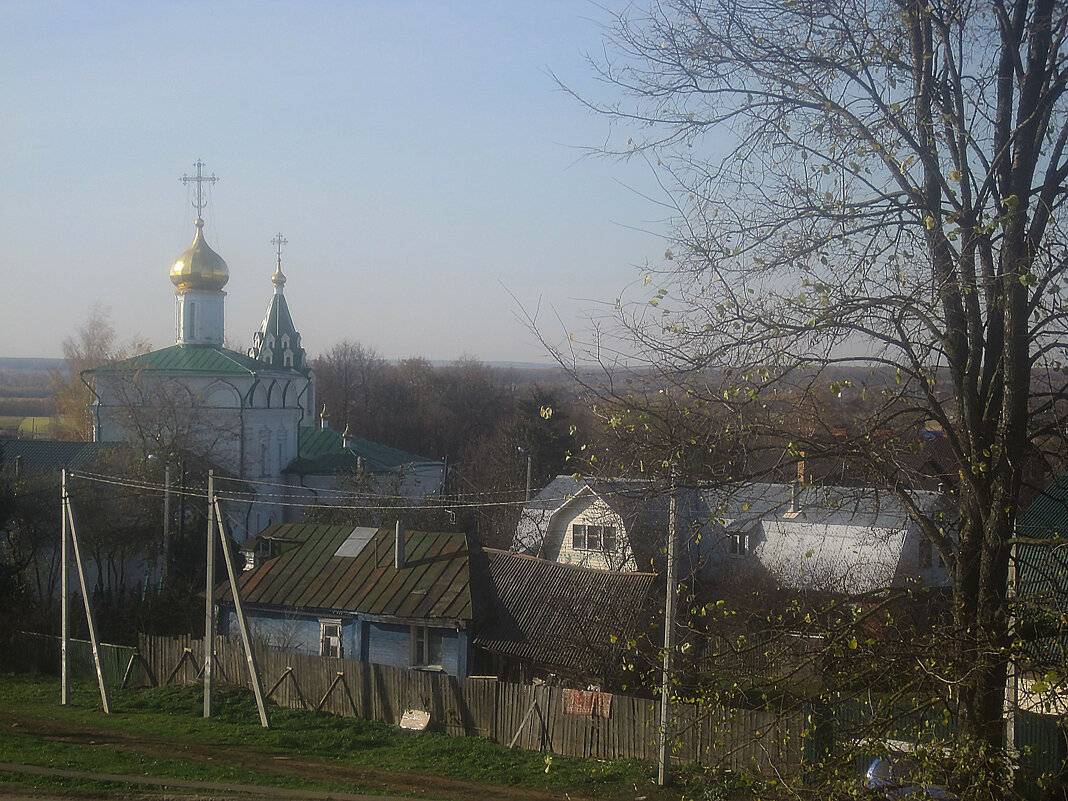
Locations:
column 200, row 267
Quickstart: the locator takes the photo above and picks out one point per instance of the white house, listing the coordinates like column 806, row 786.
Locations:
column 616, row 524
column 841, row 539
column 838, row 539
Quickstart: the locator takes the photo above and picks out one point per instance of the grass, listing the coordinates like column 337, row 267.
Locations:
column 173, row 714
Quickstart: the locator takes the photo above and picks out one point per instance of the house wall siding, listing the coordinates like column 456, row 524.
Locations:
column 368, row 641
column 587, row 510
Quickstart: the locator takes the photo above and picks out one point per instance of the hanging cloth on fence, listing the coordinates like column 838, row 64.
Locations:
column 588, row 703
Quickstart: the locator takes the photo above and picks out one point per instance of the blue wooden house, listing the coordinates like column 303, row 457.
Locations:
column 377, row 595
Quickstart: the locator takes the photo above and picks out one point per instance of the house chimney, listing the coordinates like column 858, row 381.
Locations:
column 398, row 561
column 346, row 437
column 795, row 492
column 801, row 468
column 324, row 416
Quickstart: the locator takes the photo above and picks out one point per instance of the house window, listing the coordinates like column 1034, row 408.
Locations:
column 330, row 638
column 929, row 557
column 740, row 543
column 593, row 538
column 426, row 647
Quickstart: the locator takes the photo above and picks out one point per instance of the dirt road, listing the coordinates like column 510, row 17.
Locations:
column 365, row 782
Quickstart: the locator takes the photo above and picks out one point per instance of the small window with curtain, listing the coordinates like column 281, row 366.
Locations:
column 330, row 643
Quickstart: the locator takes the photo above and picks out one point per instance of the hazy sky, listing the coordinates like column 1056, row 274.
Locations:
column 417, row 156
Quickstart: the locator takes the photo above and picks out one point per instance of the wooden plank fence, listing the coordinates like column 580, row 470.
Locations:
column 528, row 716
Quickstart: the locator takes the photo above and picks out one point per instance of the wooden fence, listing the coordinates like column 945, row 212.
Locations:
column 533, row 717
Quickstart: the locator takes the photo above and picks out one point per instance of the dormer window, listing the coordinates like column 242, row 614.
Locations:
column 740, row 543
column 285, row 341
column 593, row 538
column 270, row 340
column 268, row 357
column 287, row 358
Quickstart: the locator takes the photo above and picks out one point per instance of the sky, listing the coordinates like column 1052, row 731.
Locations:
column 428, row 173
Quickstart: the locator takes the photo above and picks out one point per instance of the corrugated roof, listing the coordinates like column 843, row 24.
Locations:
column 557, row 616
column 189, row 359
column 37, row 456
column 1042, row 570
column 321, row 453
column 435, row 582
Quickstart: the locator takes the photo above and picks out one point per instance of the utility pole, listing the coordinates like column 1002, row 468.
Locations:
column 209, row 596
column 669, row 627
column 166, row 525
column 64, row 602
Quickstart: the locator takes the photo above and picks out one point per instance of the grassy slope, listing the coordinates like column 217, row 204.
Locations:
column 173, row 714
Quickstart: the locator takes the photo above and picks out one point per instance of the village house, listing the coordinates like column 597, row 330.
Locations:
column 430, row 601
column 375, row 595
column 838, row 539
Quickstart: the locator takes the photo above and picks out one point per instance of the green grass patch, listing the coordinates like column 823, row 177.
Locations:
column 174, row 715
column 36, row 426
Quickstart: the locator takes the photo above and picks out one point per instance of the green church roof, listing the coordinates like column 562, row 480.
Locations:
column 322, row 453
column 188, row 359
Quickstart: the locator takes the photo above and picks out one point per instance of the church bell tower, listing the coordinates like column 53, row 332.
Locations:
column 199, row 276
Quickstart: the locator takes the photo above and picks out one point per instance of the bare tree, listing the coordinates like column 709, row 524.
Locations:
column 93, row 344
column 867, row 198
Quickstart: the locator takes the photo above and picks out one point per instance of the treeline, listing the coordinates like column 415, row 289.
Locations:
column 485, row 421
column 26, row 389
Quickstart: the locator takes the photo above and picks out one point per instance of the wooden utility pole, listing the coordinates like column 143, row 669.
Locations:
column 64, row 602
column 209, row 598
column 669, row 629
column 242, row 623
column 166, row 525
column 68, row 513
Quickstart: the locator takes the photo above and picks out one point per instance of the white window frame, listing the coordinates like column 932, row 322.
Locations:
column 740, row 543
column 594, row 532
column 326, row 626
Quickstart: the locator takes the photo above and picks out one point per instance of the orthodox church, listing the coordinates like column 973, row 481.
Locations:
column 251, row 415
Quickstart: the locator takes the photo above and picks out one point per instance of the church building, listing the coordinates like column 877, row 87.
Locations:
column 250, row 415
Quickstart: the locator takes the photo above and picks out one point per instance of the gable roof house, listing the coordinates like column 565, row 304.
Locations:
column 845, row 539
column 376, row 595
column 834, row 539
column 611, row 524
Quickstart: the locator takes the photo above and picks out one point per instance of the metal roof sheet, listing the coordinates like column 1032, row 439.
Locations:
column 37, row 456
column 191, row 359
column 321, row 453
column 1042, row 570
column 558, row 616
column 434, row 582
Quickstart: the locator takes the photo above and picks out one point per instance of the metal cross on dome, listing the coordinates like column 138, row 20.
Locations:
column 199, row 179
column 278, row 242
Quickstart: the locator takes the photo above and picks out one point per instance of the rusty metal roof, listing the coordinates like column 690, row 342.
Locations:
column 558, row 616
column 435, row 582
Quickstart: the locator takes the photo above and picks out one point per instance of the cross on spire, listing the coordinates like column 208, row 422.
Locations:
column 199, row 179
column 278, row 242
